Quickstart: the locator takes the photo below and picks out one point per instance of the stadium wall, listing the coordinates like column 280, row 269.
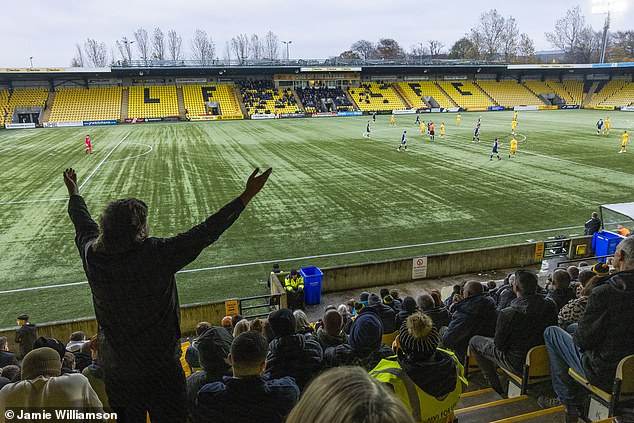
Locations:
column 342, row 278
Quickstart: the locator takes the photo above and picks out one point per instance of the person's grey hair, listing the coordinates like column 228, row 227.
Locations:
column 241, row 327
column 425, row 301
column 627, row 247
column 348, row 395
column 301, row 320
column 343, row 310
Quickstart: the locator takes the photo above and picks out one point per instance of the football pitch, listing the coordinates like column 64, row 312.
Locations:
column 335, row 197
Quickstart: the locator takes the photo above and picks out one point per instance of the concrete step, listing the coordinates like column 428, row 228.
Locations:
column 556, row 414
column 481, row 396
column 497, row 410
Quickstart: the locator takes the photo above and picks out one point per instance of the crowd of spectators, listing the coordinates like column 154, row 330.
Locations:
column 258, row 95
column 277, row 369
column 321, row 99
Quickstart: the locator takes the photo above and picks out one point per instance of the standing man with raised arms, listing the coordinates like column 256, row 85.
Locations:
column 131, row 276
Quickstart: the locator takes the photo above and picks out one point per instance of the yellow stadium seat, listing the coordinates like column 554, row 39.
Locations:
column 79, row 104
column 413, row 92
column 466, row 94
column 616, row 93
column 372, row 96
column 510, row 93
column 536, row 370
column 25, row 97
column 152, row 102
column 223, row 94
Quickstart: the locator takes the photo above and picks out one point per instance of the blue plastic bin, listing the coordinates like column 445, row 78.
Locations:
column 604, row 244
column 312, row 284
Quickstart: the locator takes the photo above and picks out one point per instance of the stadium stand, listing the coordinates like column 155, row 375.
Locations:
column 617, row 92
column 25, row 97
column 376, row 96
column 413, row 93
column 571, row 92
column 79, row 104
column 466, row 94
column 4, row 104
column 152, row 102
column 195, row 97
column 509, row 93
column 318, row 100
column 261, row 97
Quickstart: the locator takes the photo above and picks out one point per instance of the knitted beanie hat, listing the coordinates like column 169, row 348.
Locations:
column 418, row 336
column 41, row 362
column 601, row 269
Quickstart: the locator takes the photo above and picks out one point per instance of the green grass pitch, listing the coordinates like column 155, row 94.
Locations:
column 331, row 191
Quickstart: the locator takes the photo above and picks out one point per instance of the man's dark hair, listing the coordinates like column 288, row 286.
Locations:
column 3, row 341
column 121, row 224
column 561, row 279
column 526, row 281
column 249, row 349
column 425, row 302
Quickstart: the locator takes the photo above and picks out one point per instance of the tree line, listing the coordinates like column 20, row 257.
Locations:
column 494, row 37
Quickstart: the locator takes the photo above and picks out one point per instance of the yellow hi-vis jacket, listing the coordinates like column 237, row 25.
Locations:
column 424, row 407
column 291, row 284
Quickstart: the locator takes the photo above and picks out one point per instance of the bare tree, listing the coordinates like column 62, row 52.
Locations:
column 96, row 53
column 174, row 44
column 389, row 48
column 226, row 54
column 526, row 48
column 240, row 47
column 489, row 33
column 142, row 44
column 255, row 47
column 78, row 61
column 622, row 45
column 418, row 50
column 568, row 33
column 125, row 49
column 435, row 47
column 510, row 39
column 203, row 47
column 365, row 48
column 464, row 48
column 271, row 46
column 349, row 55
column 158, row 44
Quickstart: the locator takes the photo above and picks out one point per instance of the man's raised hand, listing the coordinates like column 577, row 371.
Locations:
column 70, row 180
column 255, row 184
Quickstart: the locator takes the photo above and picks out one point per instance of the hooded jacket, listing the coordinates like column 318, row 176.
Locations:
column 407, row 309
column 296, row 355
column 472, row 316
column 386, row 314
column 605, row 329
column 25, row 335
column 521, row 326
column 327, row 341
column 439, row 315
column 562, row 296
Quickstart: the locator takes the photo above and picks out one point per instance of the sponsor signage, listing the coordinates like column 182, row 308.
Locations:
column 477, row 109
column 331, row 69
column 604, row 107
column 495, row 108
column 454, row 77
column 54, row 70
column 521, row 108
column 547, row 107
column 569, row 106
column 292, row 115
column 453, row 109
column 205, row 117
column 190, row 80
column 325, row 114
column 627, row 109
column 99, row 122
column 269, row 116
column 419, row 268
column 355, row 113
column 62, row 124
column 316, row 76
column 19, row 125
column 404, row 112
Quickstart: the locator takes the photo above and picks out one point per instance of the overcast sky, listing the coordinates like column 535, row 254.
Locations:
column 48, row 30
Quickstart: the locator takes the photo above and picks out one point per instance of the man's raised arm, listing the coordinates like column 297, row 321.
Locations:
column 85, row 228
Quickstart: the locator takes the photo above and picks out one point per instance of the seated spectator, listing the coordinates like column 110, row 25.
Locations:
column 561, row 292
column 330, row 334
column 439, row 315
column 437, row 296
column 571, row 313
column 83, row 357
column 408, row 308
column 385, row 313
column 436, row 374
column 25, row 335
column 6, row 356
column 214, row 346
column 68, row 363
column 258, row 325
column 94, row 372
column 519, row 328
column 241, row 327
column 346, row 316
column 363, row 298
column 191, row 354
column 294, row 286
column 290, row 353
column 364, row 347
column 457, row 289
column 53, row 343
column 348, row 395
column 602, row 339
column 397, row 299
column 302, row 325
column 11, row 372
column 474, row 315
column 492, row 285
column 42, row 385
column 573, row 271
column 622, row 230
column 505, row 294
column 247, row 396
column 227, row 323
column 77, row 339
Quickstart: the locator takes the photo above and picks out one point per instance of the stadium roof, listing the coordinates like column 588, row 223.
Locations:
column 626, row 209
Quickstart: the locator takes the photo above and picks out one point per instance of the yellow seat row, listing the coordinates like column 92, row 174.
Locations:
column 372, row 96
column 194, row 97
column 78, row 104
column 466, row 94
column 617, row 93
column 510, row 93
column 26, row 97
column 152, row 102
column 413, row 92
column 276, row 105
column 569, row 91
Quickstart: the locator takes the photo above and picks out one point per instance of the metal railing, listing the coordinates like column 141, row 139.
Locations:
column 268, row 303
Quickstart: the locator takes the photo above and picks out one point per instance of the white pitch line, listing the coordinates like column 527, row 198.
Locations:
column 33, row 201
column 137, row 156
column 344, row 253
column 102, row 162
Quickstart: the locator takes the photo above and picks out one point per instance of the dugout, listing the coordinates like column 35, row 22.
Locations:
column 613, row 215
